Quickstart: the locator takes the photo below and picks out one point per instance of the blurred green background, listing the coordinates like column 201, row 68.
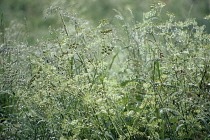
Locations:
column 33, row 13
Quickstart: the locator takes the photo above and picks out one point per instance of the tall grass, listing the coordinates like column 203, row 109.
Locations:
column 137, row 80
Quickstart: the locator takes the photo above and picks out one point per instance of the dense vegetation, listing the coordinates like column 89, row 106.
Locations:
column 128, row 76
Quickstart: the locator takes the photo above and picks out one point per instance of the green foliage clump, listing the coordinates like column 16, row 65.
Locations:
column 137, row 80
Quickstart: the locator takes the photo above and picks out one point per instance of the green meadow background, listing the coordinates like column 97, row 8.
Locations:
column 33, row 13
